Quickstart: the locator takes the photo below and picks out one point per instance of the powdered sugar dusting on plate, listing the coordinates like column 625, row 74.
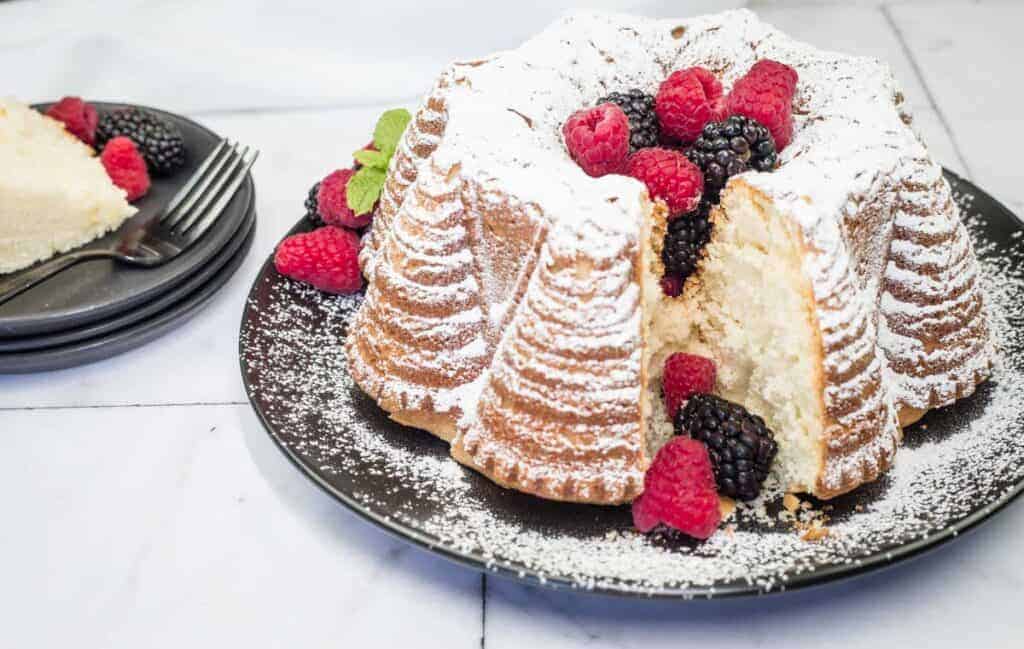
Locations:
column 958, row 464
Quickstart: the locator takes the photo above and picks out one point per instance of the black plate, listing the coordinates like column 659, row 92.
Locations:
column 141, row 332
column 122, row 320
column 98, row 290
column 959, row 465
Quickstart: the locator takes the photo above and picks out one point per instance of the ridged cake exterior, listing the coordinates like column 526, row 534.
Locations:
column 504, row 309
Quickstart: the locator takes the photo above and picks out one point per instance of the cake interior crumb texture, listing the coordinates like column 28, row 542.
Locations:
column 54, row 193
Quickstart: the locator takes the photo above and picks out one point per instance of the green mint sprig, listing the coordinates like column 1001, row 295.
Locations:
column 364, row 188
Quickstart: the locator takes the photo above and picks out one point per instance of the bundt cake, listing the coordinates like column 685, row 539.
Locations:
column 513, row 304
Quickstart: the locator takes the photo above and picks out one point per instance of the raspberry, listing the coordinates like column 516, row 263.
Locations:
column 686, row 375
column 598, row 139
column 332, row 205
column 126, row 167
column 670, row 176
column 327, row 258
column 79, row 118
column 679, row 491
column 765, row 93
column 740, row 445
column 688, row 100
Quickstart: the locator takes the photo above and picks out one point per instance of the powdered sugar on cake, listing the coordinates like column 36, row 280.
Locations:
column 295, row 357
column 486, row 145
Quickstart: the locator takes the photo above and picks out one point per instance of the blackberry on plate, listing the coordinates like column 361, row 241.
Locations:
column 740, row 444
column 685, row 240
column 644, row 130
column 312, row 213
column 731, row 147
column 159, row 141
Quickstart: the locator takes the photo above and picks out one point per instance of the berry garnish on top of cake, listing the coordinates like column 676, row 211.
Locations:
column 158, row 140
column 644, row 129
column 669, row 176
column 765, row 93
column 730, row 147
column 598, row 139
column 741, row 446
column 686, row 101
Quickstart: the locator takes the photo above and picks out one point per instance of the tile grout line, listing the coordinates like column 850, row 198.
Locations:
column 183, row 404
column 483, row 610
column 927, row 90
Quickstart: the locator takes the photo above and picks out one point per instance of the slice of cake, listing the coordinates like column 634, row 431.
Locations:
column 54, row 193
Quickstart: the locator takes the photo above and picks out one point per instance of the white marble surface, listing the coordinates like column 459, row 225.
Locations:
column 145, row 507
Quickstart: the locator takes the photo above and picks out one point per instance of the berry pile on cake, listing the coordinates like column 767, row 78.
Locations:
column 657, row 262
column 55, row 193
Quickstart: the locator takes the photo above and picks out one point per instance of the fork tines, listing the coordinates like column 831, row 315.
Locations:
column 208, row 191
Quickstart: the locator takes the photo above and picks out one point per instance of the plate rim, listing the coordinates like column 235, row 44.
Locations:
column 147, row 309
column 36, row 326
column 141, row 332
column 526, row 575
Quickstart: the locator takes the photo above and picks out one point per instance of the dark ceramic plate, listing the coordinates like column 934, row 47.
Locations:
column 117, row 341
column 173, row 296
column 99, row 290
column 958, row 466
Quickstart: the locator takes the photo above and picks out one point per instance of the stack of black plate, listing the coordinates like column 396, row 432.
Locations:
column 101, row 308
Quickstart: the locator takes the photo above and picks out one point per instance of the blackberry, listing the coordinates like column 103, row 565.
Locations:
column 739, row 443
column 730, row 147
column 643, row 123
column 685, row 240
column 159, row 141
column 312, row 215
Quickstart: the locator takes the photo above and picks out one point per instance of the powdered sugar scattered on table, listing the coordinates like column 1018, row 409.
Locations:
column 959, row 463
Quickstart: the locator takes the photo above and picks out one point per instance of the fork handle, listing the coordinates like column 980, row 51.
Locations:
column 26, row 279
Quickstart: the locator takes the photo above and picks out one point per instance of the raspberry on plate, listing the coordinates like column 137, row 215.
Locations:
column 332, row 205
column 765, row 93
column 679, row 491
column 327, row 258
column 670, row 176
column 686, row 101
column 126, row 167
column 79, row 118
column 598, row 139
column 684, row 376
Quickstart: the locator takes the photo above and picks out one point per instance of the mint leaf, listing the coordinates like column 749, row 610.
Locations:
column 389, row 129
column 363, row 189
column 371, row 158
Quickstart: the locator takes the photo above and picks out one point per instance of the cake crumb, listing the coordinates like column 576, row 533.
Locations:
column 790, row 502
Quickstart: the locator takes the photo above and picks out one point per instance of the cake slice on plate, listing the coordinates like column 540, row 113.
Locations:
column 54, row 193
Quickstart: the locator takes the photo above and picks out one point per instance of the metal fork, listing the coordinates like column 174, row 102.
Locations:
column 185, row 219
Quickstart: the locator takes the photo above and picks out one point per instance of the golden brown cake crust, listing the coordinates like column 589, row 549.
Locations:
column 501, row 304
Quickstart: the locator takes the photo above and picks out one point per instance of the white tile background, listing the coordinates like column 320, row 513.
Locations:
column 144, row 506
